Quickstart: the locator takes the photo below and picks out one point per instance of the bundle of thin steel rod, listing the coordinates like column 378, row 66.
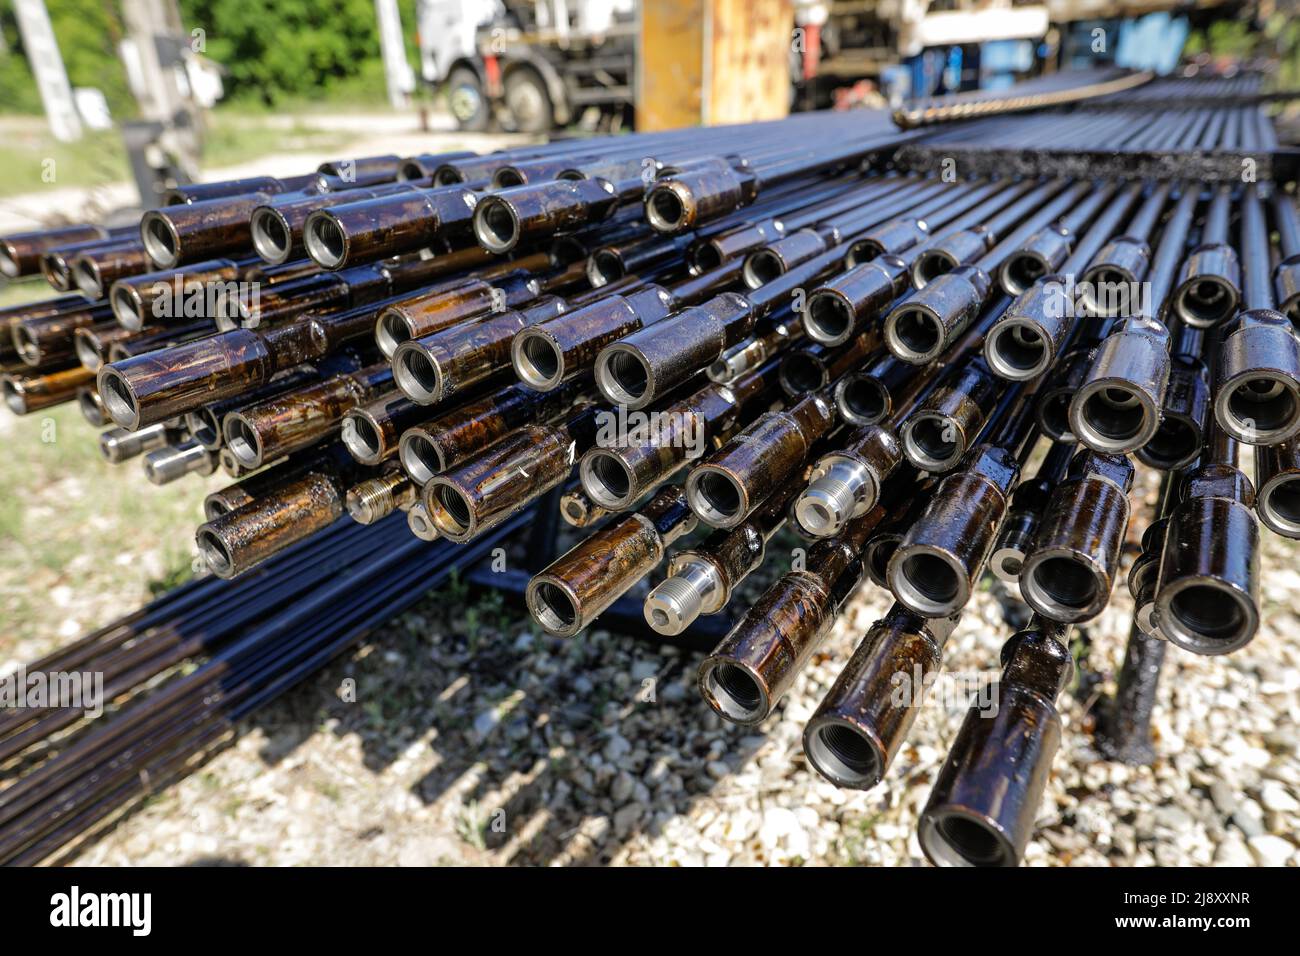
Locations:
column 176, row 677
column 926, row 376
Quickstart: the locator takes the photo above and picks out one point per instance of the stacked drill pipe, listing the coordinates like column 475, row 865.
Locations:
column 182, row 673
column 699, row 339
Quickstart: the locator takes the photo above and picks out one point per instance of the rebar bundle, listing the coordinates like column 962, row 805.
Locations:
column 926, row 372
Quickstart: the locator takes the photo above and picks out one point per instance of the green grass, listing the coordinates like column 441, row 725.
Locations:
column 33, row 160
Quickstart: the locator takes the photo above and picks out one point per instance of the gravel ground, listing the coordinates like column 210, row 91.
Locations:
column 473, row 739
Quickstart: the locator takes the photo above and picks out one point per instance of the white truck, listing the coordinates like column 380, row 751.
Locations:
column 530, row 66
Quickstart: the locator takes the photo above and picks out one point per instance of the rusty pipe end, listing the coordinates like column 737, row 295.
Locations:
column 554, row 604
column 120, row 400
column 160, row 238
column 272, row 235
column 417, row 373
column 1278, row 504
column 846, row 752
column 915, row 333
column 1064, row 585
column 88, row 279
column 242, row 440
column 1017, row 351
column 364, row 436
column 420, row 455
column 1113, row 416
column 538, row 359
column 1015, row 542
column 1206, row 615
column 625, row 377
column 716, row 496
column 862, row 400
column 607, row 479
column 670, row 206
column 734, row 690
column 929, row 580
column 128, row 306
column 496, row 224
column 325, row 239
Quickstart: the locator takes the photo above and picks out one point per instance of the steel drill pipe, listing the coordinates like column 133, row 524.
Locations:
column 387, row 226
column 438, row 367
column 982, row 807
column 332, row 458
column 811, row 366
column 622, row 467
column 777, row 258
column 458, row 435
column 637, row 255
column 159, row 385
column 1068, row 376
column 191, row 193
column 755, row 664
column 847, row 482
column 1177, row 441
column 701, row 580
column 921, row 327
column 372, row 431
column 206, row 229
column 1117, row 409
column 375, row 498
column 507, row 288
column 1257, row 378
column 324, row 292
column 1277, row 471
column 56, row 262
column 276, row 227
column 1145, row 570
column 1208, row 292
column 989, row 239
column 40, row 390
column 935, row 568
column 711, row 189
column 1028, row 506
column 91, row 406
column 884, row 541
column 166, row 296
column 48, row 339
column 1075, row 554
column 579, row 511
column 876, row 390
column 1207, row 592
column 1286, row 275
column 20, row 252
column 1025, row 342
column 842, row 308
column 943, row 427
column 297, row 419
column 165, row 465
column 95, row 270
column 117, row 445
column 232, row 543
column 11, row 316
column 577, row 586
column 471, row 498
column 862, row 722
column 1045, row 252
column 1110, row 285
column 91, row 343
column 725, row 489
column 768, row 340
column 206, row 424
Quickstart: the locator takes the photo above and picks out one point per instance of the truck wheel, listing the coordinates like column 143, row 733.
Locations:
column 466, row 100
column 528, row 102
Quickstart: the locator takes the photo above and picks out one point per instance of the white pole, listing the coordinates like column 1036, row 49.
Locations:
column 47, row 64
column 391, row 45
